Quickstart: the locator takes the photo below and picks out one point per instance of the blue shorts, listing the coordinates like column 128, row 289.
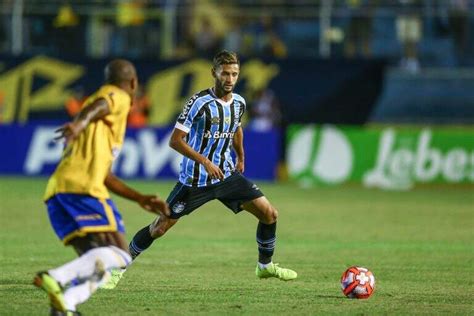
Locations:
column 76, row 215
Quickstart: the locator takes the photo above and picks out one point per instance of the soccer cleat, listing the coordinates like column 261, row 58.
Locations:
column 115, row 276
column 48, row 284
column 274, row 271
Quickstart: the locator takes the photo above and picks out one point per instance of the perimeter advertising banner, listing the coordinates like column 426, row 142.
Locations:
column 30, row 150
column 38, row 88
column 389, row 158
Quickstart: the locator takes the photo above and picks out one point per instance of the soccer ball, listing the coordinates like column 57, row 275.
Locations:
column 357, row 282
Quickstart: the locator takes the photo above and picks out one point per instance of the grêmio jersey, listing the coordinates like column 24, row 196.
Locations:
column 211, row 124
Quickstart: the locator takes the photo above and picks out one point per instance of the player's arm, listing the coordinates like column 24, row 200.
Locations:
column 238, row 145
column 97, row 110
column 151, row 203
column 178, row 143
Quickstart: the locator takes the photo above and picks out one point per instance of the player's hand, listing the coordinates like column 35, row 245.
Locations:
column 69, row 131
column 213, row 171
column 154, row 204
column 240, row 166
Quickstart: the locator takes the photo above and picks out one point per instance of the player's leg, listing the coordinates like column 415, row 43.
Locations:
column 70, row 216
column 95, row 240
column 266, row 229
column 182, row 201
column 140, row 242
column 97, row 243
column 147, row 235
column 266, row 239
column 238, row 193
column 74, row 282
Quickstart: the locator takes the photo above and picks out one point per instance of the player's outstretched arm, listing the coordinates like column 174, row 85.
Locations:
column 151, row 203
column 97, row 110
column 238, row 145
column 178, row 143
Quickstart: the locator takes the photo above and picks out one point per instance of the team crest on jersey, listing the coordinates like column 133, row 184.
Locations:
column 227, row 120
column 179, row 207
column 215, row 120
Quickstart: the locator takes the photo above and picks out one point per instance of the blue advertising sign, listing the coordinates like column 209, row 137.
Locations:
column 31, row 150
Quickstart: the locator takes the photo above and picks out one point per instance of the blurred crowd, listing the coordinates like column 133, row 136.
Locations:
column 407, row 32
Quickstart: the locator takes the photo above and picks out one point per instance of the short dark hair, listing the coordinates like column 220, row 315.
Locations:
column 119, row 70
column 225, row 57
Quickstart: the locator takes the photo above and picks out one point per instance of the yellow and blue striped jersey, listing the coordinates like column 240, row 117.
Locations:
column 87, row 160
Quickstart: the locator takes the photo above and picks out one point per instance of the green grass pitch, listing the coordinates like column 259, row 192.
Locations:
column 419, row 245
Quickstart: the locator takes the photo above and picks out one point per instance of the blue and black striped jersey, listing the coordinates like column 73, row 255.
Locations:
column 211, row 124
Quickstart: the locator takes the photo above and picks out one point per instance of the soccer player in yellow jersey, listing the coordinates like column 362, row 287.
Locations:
column 79, row 205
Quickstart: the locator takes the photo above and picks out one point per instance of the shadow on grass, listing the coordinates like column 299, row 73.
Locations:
column 331, row 296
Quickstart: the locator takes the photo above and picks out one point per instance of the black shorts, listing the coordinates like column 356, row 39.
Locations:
column 232, row 192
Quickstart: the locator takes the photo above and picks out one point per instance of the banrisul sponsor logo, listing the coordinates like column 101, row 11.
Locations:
column 218, row 134
column 320, row 155
column 403, row 160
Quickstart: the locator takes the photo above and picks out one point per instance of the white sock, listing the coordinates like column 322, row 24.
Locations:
column 264, row 265
column 84, row 266
column 79, row 294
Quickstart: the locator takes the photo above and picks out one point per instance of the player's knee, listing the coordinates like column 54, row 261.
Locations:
column 274, row 215
column 271, row 215
column 158, row 231
column 160, row 227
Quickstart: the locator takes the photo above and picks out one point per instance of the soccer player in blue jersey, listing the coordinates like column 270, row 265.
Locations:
column 208, row 128
column 79, row 205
